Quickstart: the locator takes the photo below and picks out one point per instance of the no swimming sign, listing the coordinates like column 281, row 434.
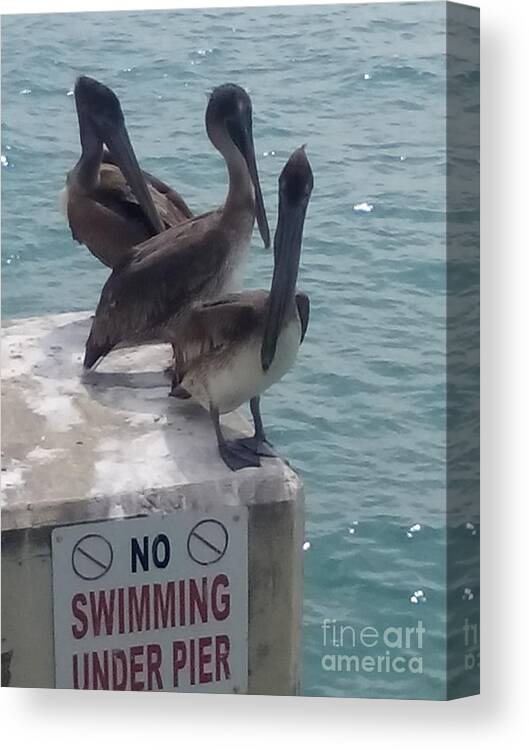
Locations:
column 154, row 603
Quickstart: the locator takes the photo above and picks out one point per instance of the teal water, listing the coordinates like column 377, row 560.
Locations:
column 363, row 412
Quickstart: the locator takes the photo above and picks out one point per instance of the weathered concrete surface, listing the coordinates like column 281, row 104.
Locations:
column 111, row 444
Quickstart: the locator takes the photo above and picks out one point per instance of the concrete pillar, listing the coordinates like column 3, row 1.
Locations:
column 112, row 449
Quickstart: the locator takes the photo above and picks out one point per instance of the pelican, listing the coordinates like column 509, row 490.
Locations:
column 147, row 299
column 233, row 349
column 111, row 205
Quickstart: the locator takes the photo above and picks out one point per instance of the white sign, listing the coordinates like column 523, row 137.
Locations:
column 154, row 603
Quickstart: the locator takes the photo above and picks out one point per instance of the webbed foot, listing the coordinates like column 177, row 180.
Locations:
column 236, row 456
column 258, row 446
column 177, row 391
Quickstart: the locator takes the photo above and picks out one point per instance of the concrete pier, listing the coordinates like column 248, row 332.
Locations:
column 111, row 455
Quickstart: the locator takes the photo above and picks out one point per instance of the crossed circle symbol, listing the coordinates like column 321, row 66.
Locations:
column 207, row 542
column 92, row 557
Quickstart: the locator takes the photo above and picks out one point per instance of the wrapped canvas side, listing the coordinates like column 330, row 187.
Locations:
column 462, row 348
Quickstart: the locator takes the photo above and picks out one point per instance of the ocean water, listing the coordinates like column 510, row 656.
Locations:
column 363, row 413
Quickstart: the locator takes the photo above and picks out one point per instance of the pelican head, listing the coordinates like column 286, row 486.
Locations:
column 98, row 101
column 230, row 109
column 100, row 114
column 295, row 188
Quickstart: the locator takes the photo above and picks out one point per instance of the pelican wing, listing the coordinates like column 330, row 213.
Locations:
column 108, row 220
column 216, row 327
column 114, row 193
column 146, row 295
column 168, row 201
column 174, row 241
column 170, row 205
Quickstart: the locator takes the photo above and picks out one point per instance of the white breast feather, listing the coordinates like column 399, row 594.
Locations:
column 242, row 377
column 234, row 275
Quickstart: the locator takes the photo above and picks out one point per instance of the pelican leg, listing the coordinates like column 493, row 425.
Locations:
column 258, row 444
column 176, row 389
column 234, row 455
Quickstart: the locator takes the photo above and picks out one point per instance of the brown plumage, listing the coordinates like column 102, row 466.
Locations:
column 148, row 297
column 215, row 331
column 112, row 205
column 233, row 349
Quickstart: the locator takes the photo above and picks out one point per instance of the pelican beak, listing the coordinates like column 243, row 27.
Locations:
column 287, row 252
column 241, row 134
column 118, row 142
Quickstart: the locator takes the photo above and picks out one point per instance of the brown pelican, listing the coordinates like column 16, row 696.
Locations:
column 147, row 298
column 234, row 349
column 111, row 205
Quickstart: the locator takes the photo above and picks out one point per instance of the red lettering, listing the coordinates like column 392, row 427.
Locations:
column 164, row 608
column 75, row 672
column 222, row 611
column 182, row 600
column 198, row 601
column 102, row 611
column 121, row 611
column 154, row 662
column 179, row 659
column 204, row 658
column 135, row 668
column 192, row 661
column 75, row 669
column 119, row 662
column 151, row 606
column 139, row 612
column 79, row 631
column 100, row 672
column 222, row 651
